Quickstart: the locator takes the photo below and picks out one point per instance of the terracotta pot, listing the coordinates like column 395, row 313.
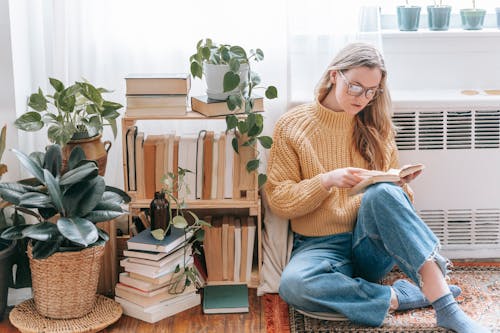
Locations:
column 94, row 148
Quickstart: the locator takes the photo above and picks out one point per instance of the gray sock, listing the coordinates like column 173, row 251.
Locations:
column 449, row 315
column 410, row 297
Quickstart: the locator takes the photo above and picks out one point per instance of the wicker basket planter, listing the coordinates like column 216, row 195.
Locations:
column 65, row 284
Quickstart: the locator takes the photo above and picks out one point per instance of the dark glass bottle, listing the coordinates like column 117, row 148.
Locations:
column 159, row 212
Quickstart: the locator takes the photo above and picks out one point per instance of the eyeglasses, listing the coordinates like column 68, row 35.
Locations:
column 358, row 90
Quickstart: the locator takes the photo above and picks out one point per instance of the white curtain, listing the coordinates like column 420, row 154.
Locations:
column 105, row 40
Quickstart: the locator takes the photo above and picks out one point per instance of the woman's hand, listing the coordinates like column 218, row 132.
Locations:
column 343, row 177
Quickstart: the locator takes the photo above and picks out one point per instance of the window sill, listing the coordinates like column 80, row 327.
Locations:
column 452, row 33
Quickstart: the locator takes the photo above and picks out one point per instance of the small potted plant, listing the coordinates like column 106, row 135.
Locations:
column 229, row 77
column 408, row 17
column 439, row 16
column 75, row 115
column 67, row 206
column 472, row 18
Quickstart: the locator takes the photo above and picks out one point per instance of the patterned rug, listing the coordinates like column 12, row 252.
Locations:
column 480, row 299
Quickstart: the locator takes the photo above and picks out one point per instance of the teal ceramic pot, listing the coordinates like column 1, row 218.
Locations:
column 408, row 18
column 498, row 17
column 439, row 17
column 472, row 19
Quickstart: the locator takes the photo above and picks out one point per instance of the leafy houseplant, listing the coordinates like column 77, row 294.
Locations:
column 67, row 206
column 178, row 218
column 71, row 112
column 238, row 85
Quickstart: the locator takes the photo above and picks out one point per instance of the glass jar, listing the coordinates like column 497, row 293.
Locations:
column 159, row 212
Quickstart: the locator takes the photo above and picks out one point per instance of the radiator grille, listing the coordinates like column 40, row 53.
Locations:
column 464, row 227
column 438, row 130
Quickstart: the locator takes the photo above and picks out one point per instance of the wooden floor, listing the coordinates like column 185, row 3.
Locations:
column 192, row 320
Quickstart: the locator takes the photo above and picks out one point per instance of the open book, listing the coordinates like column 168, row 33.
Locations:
column 391, row 175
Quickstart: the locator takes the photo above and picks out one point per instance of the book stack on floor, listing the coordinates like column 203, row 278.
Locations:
column 150, row 288
column 157, row 95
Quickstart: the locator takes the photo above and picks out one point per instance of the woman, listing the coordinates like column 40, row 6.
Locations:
column 344, row 245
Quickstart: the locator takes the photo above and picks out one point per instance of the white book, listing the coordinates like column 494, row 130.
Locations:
column 228, row 180
column 154, row 272
column 215, row 166
column 237, row 248
column 251, row 238
column 187, row 160
column 160, row 311
column 183, row 251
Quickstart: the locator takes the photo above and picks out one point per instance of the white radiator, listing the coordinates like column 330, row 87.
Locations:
column 458, row 194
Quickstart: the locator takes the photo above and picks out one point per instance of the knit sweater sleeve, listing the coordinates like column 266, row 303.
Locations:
column 289, row 195
column 394, row 163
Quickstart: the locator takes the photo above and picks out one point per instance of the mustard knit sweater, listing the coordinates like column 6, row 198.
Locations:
column 308, row 141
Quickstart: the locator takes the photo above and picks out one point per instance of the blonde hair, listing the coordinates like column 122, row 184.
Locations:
column 373, row 126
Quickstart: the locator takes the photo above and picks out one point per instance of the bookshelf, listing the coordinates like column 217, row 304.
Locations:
column 246, row 203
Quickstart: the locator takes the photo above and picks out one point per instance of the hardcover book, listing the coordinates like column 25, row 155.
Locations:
column 225, row 299
column 146, row 242
column 157, row 83
column 211, row 108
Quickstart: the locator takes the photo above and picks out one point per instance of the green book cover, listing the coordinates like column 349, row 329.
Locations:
column 144, row 241
column 225, row 298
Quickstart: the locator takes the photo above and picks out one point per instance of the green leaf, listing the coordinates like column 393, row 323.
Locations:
column 114, row 127
column 259, row 55
column 30, row 121
column 196, row 70
column 234, row 143
column 262, row 179
column 84, row 172
column 102, row 215
column 158, row 234
column 78, row 230
column 252, row 165
column 67, row 100
column 33, row 168
column 81, row 198
column 265, row 141
column 111, row 105
column 43, row 250
column 231, row 122
column 12, row 192
column 231, row 81
column 91, row 93
column 38, row 101
column 108, row 205
column 200, row 235
column 53, row 160
column 14, row 232
column 76, row 156
column 205, row 52
column 103, row 234
column 41, row 231
column 271, row 92
column 233, row 102
column 224, row 53
column 179, row 222
column 125, row 197
column 238, row 51
column 60, row 133
column 110, row 114
column 58, row 85
column 234, row 65
column 242, row 126
column 254, row 78
column 35, row 200
column 54, row 191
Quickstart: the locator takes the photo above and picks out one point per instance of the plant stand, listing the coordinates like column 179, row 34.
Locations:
column 27, row 320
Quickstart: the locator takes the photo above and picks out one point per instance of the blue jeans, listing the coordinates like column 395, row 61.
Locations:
column 340, row 272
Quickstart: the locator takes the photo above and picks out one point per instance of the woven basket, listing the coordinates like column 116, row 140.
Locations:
column 65, row 284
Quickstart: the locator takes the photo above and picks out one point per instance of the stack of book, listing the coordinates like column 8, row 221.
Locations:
column 212, row 108
column 157, row 95
column 153, row 285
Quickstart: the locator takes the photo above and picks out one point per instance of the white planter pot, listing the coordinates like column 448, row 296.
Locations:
column 214, row 76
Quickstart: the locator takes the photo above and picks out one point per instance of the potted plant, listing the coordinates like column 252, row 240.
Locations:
column 408, row 17
column 439, row 16
column 472, row 18
column 229, row 77
column 7, row 248
column 74, row 115
column 65, row 245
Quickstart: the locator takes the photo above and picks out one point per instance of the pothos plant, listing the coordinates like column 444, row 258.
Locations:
column 178, row 217
column 241, row 93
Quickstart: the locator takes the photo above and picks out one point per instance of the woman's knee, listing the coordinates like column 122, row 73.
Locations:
column 381, row 192
column 292, row 287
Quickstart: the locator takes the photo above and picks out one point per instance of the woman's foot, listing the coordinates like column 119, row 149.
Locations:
column 410, row 297
column 449, row 315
